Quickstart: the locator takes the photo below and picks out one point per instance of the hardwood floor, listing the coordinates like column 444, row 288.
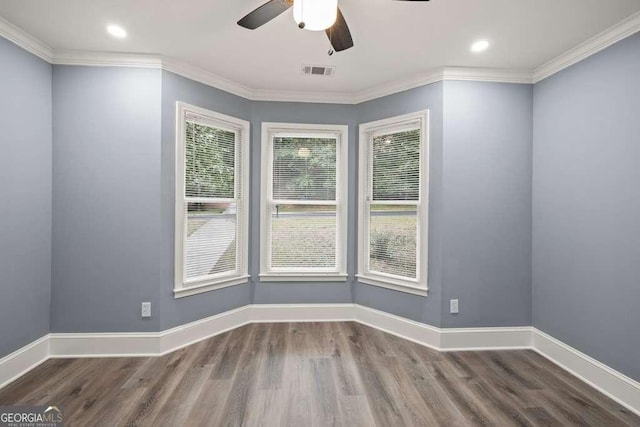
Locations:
column 316, row 374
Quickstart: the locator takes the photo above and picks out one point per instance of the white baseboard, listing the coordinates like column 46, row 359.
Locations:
column 269, row 313
column 446, row 339
column 190, row 333
column 617, row 386
column 606, row 380
column 411, row 330
column 148, row 344
column 145, row 344
column 21, row 361
column 480, row 339
column 116, row 344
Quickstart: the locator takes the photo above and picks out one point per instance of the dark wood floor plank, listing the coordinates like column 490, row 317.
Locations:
column 245, row 377
column 540, row 417
column 384, row 404
column 162, row 386
column 346, row 376
column 72, row 386
column 273, row 360
column 297, row 379
column 317, row 374
column 97, row 393
column 457, row 390
column 181, row 401
column 563, row 382
column 116, row 410
column 39, row 381
column 324, row 401
column 266, row 408
column 146, row 372
column 355, row 411
column 503, row 385
column 210, row 403
column 419, row 373
column 414, row 411
column 228, row 360
column 496, row 403
column 211, row 352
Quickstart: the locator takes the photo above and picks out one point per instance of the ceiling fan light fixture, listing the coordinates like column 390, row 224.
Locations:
column 116, row 31
column 315, row 15
column 480, row 46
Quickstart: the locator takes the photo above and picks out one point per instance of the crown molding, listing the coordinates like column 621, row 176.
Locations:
column 206, row 77
column 113, row 59
column 443, row 74
column 617, row 32
column 25, row 40
column 106, row 59
column 488, row 75
column 302, row 96
column 390, row 88
column 623, row 29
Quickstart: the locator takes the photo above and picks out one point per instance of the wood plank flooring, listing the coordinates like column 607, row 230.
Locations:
column 316, row 374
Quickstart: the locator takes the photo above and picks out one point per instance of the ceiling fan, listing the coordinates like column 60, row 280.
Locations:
column 314, row 15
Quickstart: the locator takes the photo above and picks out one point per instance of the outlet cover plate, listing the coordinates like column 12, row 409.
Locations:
column 146, row 309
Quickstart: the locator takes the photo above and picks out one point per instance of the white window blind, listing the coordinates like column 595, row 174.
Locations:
column 393, row 205
column 211, row 202
column 304, row 215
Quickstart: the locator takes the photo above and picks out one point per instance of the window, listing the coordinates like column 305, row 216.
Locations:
column 211, row 200
column 393, row 208
column 304, row 196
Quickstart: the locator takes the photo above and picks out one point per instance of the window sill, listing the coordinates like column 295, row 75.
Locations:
column 283, row 277
column 209, row 286
column 392, row 284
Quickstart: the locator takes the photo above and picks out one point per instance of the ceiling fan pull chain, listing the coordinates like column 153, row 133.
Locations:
column 301, row 25
column 330, row 41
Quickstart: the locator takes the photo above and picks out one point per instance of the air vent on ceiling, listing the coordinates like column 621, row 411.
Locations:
column 318, row 70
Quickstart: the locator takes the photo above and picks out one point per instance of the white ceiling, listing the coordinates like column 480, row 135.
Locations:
column 393, row 40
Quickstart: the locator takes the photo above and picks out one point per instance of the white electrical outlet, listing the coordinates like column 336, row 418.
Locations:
column 146, row 309
column 453, row 306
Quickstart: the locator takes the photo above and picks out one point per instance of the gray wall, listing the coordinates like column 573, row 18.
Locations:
column 479, row 204
column 423, row 309
column 586, row 206
column 479, row 249
column 114, row 137
column 486, row 249
column 282, row 293
column 106, row 203
column 179, row 311
column 25, row 197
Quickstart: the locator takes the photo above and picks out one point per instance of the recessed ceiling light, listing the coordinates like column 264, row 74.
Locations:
column 480, row 46
column 116, row 31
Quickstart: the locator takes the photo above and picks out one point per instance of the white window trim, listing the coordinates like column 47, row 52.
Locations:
column 305, row 275
column 419, row 286
column 213, row 282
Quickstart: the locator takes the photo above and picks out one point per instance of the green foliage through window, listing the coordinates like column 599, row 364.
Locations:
column 304, row 168
column 210, row 161
column 396, row 166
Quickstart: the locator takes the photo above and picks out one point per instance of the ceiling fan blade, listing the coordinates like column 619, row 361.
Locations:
column 339, row 34
column 264, row 13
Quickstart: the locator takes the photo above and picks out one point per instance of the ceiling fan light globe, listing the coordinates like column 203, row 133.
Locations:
column 317, row 15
